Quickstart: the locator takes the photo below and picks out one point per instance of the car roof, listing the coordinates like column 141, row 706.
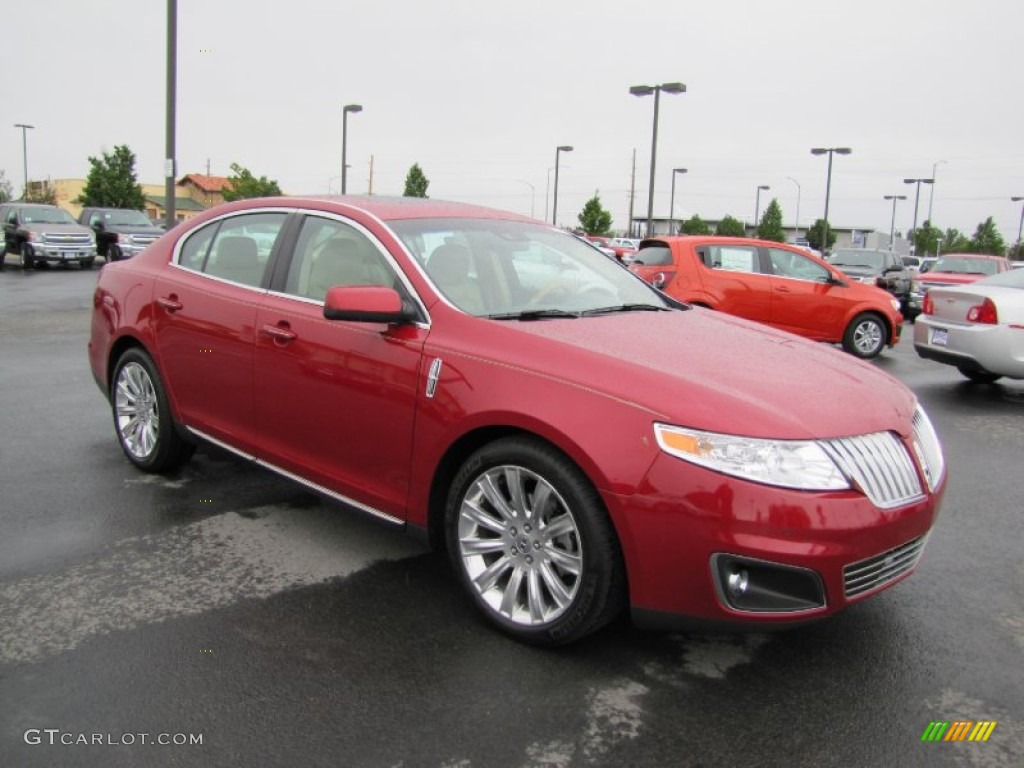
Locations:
column 387, row 208
column 723, row 239
column 972, row 256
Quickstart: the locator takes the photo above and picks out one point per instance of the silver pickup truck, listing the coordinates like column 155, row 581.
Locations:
column 45, row 233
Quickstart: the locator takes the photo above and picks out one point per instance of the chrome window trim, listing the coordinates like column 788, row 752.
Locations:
column 299, row 479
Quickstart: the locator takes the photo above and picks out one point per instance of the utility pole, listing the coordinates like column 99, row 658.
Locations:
column 370, row 190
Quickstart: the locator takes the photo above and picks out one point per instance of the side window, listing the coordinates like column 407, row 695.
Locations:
column 734, row 258
column 789, row 264
column 193, row 252
column 242, row 246
column 329, row 253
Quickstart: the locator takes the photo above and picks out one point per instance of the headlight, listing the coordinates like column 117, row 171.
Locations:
column 33, row 236
column 801, row 464
column 126, row 239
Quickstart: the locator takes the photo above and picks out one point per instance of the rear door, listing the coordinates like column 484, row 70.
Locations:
column 336, row 401
column 205, row 305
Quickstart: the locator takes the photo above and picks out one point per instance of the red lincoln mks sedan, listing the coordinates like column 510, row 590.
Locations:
column 579, row 442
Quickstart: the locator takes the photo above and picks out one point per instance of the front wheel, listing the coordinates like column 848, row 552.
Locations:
column 114, row 253
column 142, row 416
column 532, row 543
column 27, row 262
column 87, row 263
column 865, row 336
column 979, row 377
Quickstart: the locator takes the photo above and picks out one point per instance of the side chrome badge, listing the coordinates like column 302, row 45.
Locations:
column 433, row 376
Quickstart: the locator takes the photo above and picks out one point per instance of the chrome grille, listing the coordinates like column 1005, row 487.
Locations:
column 877, row 571
column 61, row 239
column 928, row 448
column 879, row 466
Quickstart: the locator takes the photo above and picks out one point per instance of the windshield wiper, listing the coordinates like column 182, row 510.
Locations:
column 625, row 308
column 534, row 314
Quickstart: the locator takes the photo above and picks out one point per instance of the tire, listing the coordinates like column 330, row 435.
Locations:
column 532, row 544
column 114, row 253
column 87, row 263
column 142, row 415
column 27, row 262
column 866, row 336
column 979, row 377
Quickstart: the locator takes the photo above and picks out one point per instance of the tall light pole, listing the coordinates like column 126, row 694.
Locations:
column 344, row 142
column 24, row 152
column 828, row 184
column 554, row 203
column 917, row 199
column 172, row 97
column 647, row 90
column 796, row 226
column 757, row 203
column 533, row 192
column 931, row 192
column 892, row 225
column 1020, row 227
column 672, row 200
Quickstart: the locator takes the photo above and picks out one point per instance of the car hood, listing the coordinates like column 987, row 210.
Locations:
column 858, row 272
column 135, row 230
column 948, row 278
column 60, row 229
column 711, row 371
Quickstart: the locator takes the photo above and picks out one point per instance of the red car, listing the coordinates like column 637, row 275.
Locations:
column 578, row 441
column 776, row 284
column 952, row 269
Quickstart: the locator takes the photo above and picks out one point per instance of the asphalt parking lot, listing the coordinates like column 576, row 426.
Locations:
column 229, row 604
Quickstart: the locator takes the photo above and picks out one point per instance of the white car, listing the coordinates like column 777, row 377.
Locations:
column 977, row 327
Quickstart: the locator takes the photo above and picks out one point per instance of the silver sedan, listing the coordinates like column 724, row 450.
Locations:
column 979, row 327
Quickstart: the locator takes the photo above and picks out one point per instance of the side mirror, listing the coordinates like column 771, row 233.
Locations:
column 98, row 225
column 366, row 304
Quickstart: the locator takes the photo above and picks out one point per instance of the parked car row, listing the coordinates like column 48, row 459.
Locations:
column 41, row 234
column 952, row 269
column 578, row 441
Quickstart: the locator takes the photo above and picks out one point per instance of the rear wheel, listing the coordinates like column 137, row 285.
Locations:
column 142, row 415
column 865, row 336
column 532, row 543
column 979, row 377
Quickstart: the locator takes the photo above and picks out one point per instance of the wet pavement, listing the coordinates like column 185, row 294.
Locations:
column 228, row 604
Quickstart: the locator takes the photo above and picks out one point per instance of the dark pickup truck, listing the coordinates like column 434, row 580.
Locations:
column 882, row 268
column 120, row 232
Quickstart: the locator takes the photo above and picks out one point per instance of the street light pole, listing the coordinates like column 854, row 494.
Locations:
column 828, row 184
column 344, row 142
column 24, row 152
column 672, row 200
column 892, row 226
column 1020, row 227
column 917, row 199
column 931, row 192
column 757, row 204
column 170, row 172
column 647, row 90
column 796, row 226
column 554, row 203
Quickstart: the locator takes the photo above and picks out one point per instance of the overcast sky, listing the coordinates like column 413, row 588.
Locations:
column 481, row 92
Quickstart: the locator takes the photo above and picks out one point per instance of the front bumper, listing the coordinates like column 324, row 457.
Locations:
column 686, row 527
column 64, row 253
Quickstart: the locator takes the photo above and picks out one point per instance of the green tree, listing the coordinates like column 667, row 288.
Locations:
column 694, row 225
column 416, row 182
column 242, row 185
column 730, row 227
column 594, row 219
column 927, row 239
column 815, row 235
column 955, row 241
column 111, row 181
column 5, row 188
column 987, row 239
column 770, row 226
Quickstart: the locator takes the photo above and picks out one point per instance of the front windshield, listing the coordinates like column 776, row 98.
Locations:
column 42, row 214
column 127, row 219
column 868, row 259
column 512, row 269
column 965, row 265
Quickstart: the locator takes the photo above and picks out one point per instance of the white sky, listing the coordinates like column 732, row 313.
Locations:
column 480, row 92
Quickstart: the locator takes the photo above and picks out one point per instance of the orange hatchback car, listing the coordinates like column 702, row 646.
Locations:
column 773, row 283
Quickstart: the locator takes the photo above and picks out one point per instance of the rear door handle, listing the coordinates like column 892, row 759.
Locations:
column 170, row 303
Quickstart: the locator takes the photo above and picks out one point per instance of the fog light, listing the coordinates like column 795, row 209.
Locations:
column 738, row 582
column 759, row 586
